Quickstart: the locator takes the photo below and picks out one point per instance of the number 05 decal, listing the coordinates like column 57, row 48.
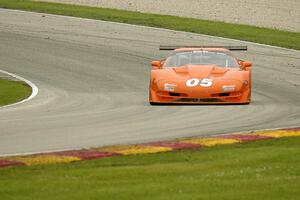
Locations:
column 206, row 82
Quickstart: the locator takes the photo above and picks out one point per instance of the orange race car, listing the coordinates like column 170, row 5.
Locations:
column 201, row 75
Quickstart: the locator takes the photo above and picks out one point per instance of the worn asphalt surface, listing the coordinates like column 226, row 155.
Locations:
column 93, row 81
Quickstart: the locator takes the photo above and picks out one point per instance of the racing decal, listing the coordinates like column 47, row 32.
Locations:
column 192, row 82
column 206, row 82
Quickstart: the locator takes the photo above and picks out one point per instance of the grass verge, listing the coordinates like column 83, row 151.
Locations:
column 266, row 169
column 242, row 32
column 13, row 91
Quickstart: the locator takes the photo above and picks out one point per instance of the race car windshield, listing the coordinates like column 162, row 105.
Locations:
column 220, row 59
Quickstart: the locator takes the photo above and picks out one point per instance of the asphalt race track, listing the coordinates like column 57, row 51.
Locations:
column 93, row 86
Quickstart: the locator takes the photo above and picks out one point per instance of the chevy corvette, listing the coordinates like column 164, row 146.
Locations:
column 200, row 75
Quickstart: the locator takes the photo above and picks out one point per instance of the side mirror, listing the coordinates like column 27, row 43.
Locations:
column 156, row 64
column 245, row 65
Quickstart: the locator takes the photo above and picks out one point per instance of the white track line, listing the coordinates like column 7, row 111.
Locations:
column 190, row 33
column 210, row 36
column 34, row 89
column 170, row 30
column 160, row 29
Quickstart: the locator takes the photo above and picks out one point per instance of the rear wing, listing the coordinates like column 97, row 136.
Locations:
column 231, row 48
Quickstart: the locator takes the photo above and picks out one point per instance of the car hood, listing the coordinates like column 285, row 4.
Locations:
column 198, row 71
column 210, row 76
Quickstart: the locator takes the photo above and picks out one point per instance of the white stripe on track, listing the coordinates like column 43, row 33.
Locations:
column 162, row 29
column 34, row 89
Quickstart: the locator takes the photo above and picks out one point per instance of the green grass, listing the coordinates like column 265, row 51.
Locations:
column 13, row 91
column 241, row 32
column 259, row 170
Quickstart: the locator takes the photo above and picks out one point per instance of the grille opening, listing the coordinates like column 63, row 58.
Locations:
column 174, row 94
column 209, row 100
column 227, row 94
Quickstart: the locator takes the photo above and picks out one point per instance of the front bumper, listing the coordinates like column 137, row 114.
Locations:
column 161, row 97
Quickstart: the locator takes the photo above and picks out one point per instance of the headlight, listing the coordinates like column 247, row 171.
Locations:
column 169, row 87
column 228, row 88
